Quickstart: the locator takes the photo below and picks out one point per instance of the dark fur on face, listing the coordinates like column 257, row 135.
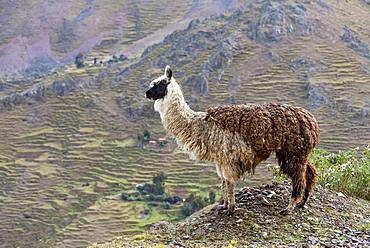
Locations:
column 158, row 91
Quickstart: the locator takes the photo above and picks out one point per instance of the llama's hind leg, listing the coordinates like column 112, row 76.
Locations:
column 224, row 201
column 297, row 172
column 311, row 175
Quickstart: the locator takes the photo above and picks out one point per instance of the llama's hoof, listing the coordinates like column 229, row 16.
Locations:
column 221, row 207
column 234, row 210
column 239, row 210
column 286, row 211
column 301, row 206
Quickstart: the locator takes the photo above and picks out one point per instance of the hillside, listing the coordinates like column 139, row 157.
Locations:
column 38, row 36
column 71, row 137
column 331, row 220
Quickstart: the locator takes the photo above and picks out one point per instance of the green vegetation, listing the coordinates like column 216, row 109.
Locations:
column 346, row 171
column 143, row 139
column 195, row 203
column 79, row 60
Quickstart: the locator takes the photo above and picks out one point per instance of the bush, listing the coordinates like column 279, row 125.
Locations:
column 192, row 204
column 212, row 197
column 347, row 172
column 79, row 60
column 143, row 139
column 158, row 182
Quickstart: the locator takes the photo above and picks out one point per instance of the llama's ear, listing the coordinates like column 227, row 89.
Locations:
column 168, row 72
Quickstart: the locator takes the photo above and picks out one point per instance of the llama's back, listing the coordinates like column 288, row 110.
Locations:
column 269, row 127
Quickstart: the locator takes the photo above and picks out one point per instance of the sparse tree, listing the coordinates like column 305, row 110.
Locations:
column 192, row 204
column 159, row 182
column 211, row 197
column 146, row 136
column 79, row 60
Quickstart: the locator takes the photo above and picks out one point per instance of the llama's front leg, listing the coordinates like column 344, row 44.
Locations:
column 230, row 196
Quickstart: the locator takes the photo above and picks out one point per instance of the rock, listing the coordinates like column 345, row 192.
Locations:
column 340, row 194
column 193, row 24
column 61, row 88
column 199, row 233
column 266, row 202
column 27, row 215
column 313, row 240
column 39, row 67
column 276, row 22
column 162, row 225
column 317, row 95
column 355, row 43
column 199, row 84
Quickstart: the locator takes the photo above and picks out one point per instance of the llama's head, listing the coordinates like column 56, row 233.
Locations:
column 158, row 87
column 165, row 91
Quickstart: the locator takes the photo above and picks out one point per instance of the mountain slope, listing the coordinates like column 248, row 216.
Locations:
column 70, row 139
column 331, row 220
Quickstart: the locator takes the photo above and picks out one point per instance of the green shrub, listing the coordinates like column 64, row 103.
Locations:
column 347, row 172
column 211, row 197
column 79, row 60
column 192, row 204
column 159, row 182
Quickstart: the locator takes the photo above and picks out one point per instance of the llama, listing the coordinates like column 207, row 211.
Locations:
column 238, row 137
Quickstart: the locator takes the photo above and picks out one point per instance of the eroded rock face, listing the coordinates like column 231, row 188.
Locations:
column 60, row 88
column 38, row 92
column 277, row 21
column 39, row 67
column 355, row 43
column 317, row 95
column 199, row 84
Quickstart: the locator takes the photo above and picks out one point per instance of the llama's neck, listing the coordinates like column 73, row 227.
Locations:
column 176, row 115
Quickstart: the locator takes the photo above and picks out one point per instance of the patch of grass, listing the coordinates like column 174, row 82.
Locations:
column 347, row 172
column 139, row 237
column 40, row 131
column 125, row 143
column 365, row 227
column 46, row 169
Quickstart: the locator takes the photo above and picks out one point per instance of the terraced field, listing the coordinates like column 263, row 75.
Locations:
column 49, row 32
column 69, row 139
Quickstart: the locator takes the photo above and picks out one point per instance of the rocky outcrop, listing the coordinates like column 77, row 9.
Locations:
column 199, row 84
column 317, row 95
column 276, row 21
column 38, row 92
column 355, row 43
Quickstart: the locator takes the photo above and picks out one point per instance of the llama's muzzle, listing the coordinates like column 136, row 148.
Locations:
column 147, row 95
